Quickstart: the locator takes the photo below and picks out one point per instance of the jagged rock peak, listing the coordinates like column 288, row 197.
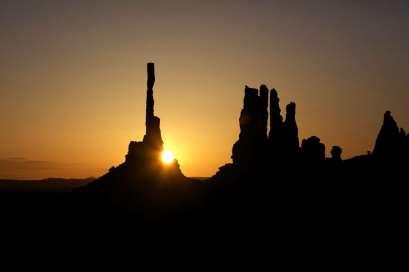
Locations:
column 390, row 141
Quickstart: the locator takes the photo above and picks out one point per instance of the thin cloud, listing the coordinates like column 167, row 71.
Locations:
column 23, row 168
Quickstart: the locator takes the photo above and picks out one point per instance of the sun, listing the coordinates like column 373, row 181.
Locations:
column 167, row 156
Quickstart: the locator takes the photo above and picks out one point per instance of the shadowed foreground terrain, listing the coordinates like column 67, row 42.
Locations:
column 279, row 192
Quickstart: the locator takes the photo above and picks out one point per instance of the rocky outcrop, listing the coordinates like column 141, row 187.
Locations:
column 312, row 150
column 248, row 151
column 145, row 156
column 153, row 136
column 276, row 127
column 283, row 136
column 407, row 144
column 392, row 142
column 290, row 134
column 255, row 150
column 264, row 110
column 336, row 153
column 143, row 165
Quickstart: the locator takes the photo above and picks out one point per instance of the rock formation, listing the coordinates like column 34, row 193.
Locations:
column 272, row 184
column 392, row 142
column 407, row 144
column 290, row 134
column 264, row 110
column 146, row 155
column 336, row 152
column 248, row 151
column 148, row 151
column 276, row 127
column 256, row 149
column 153, row 135
column 283, row 136
column 312, row 150
column 143, row 165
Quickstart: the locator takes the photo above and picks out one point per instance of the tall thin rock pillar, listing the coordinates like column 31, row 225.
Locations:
column 153, row 134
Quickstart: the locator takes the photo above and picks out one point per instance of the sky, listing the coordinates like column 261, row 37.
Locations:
column 73, row 76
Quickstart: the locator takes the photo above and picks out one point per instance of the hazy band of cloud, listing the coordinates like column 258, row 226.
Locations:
column 22, row 168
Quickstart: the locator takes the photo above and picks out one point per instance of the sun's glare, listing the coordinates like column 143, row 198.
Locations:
column 167, row 156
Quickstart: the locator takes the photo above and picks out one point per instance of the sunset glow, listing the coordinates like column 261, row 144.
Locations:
column 73, row 77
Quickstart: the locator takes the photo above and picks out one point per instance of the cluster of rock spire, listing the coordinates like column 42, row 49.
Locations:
column 274, row 177
column 266, row 140
column 256, row 147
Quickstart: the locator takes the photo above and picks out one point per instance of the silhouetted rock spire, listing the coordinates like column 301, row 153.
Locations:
column 143, row 166
column 150, row 103
column 248, row 150
column 283, row 136
column 391, row 143
column 153, row 135
column 146, row 154
column 291, row 141
column 254, row 149
column 264, row 109
column 276, row 127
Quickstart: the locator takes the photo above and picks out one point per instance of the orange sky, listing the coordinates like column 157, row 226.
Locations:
column 73, row 76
